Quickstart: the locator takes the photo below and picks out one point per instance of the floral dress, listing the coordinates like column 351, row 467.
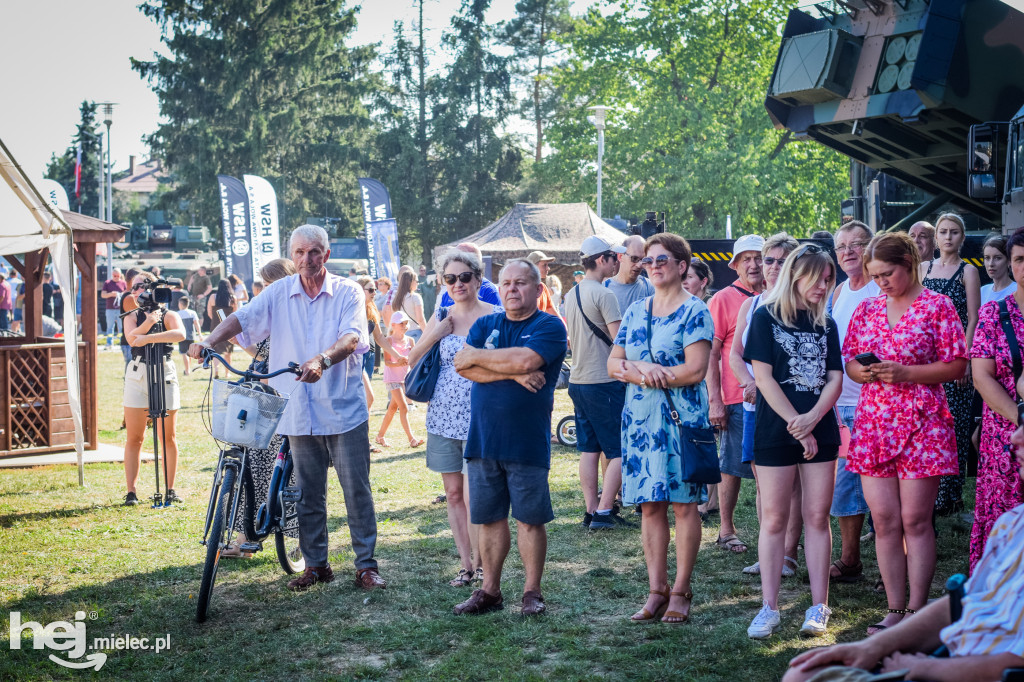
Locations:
column 951, row 488
column 999, row 486
column 448, row 409
column 905, row 429
column 651, row 449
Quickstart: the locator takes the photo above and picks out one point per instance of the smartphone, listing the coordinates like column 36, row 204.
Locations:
column 867, row 359
column 220, row 314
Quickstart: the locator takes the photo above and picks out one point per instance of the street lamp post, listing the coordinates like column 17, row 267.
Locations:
column 108, row 118
column 598, row 120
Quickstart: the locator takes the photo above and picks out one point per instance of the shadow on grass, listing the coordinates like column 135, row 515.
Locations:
column 8, row 520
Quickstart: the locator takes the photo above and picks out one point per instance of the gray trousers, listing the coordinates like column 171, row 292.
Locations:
column 350, row 454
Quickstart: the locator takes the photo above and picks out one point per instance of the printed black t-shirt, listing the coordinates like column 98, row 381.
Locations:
column 800, row 356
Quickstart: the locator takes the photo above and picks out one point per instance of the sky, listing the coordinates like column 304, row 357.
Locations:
column 57, row 53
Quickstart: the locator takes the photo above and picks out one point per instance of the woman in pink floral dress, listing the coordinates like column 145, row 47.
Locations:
column 999, row 486
column 904, row 438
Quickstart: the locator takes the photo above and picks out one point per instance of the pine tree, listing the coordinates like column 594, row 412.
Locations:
column 262, row 87
column 62, row 168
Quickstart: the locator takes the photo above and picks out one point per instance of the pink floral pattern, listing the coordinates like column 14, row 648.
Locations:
column 906, row 429
column 999, row 486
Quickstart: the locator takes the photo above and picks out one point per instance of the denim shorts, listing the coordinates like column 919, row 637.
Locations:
column 444, row 455
column 598, row 409
column 730, row 445
column 495, row 486
column 848, row 498
column 748, row 436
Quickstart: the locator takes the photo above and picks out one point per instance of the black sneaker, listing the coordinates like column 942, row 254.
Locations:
column 602, row 521
column 618, row 520
column 587, row 518
column 171, row 497
column 130, row 500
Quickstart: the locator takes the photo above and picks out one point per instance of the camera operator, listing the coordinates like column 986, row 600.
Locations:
column 149, row 323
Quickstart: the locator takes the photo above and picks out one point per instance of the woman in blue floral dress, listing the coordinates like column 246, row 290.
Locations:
column 681, row 333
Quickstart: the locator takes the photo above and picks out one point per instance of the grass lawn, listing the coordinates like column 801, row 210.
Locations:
column 136, row 571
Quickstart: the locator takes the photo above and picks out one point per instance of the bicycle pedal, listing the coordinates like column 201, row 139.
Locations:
column 291, row 494
column 251, row 547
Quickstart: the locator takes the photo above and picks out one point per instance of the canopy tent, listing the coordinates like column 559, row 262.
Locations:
column 28, row 223
column 556, row 229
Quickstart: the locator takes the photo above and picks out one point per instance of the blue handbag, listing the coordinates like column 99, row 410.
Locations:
column 422, row 377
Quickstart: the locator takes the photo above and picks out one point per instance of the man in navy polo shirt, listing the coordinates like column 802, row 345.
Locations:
column 514, row 358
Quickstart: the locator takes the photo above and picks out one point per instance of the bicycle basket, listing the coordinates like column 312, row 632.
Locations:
column 246, row 415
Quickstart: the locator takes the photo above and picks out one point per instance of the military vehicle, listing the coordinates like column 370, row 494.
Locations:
column 990, row 178
column 896, row 85
column 177, row 250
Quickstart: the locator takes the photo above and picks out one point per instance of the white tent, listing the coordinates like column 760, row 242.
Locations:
column 29, row 223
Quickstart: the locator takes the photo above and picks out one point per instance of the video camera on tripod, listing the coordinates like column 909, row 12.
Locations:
column 154, row 294
column 650, row 226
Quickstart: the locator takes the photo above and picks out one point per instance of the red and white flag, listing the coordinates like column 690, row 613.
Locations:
column 78, row 171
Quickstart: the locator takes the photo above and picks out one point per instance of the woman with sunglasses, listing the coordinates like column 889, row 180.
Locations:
column 773, row 256
column 902, row 346
column 663, row 345
column 999, row 487
column 448, row 410
column 799, row 375
column 139, row 332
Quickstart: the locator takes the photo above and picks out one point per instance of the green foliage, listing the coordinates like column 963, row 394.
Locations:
column 62, row 168
column 266, row 87
column 687, row 132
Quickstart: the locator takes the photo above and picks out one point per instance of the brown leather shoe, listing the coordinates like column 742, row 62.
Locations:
column 480, row 602
column 311, row 576
column 369, row 579
column 533, row 603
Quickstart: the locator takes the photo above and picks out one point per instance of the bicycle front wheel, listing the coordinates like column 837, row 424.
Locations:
column 289, row 554
column 215, row 542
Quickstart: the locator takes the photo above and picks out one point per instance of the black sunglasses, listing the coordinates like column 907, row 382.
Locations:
column 138, row 286
column 806, row 249
column 769, row 260
column 463, row 277
column 372, row 291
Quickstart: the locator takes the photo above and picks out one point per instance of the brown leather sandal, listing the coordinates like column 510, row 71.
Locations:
column 679, row 617
column 648, row 617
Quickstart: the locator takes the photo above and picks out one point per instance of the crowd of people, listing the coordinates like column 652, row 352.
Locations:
column 854, row 401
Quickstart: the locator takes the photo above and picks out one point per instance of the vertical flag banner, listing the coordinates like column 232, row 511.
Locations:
column 78, row 172
column 385, row 254
column 266, row 233
column 54, row 193
column 376, row 206
column 234, row 221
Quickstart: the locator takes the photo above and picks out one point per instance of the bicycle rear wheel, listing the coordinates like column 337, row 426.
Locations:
column 215, row 542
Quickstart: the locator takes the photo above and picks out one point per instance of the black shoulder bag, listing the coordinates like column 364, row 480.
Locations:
column 422, row 377
column 1011, row 341
column 593, row 327
column 698, row 461
column 746, row 293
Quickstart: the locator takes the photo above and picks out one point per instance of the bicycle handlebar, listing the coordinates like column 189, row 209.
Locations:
column 209, row 354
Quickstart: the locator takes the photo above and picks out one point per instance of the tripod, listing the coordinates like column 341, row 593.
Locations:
column 154, row 354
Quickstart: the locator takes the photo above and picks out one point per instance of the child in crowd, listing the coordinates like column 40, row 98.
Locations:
column 394, row 379
column 193, row 333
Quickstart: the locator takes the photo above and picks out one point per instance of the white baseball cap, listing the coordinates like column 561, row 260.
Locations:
column 399, row 317
column 593, row 245
column 748, row 242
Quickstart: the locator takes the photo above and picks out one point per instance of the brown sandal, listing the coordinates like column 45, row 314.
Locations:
column 680, row 617
column 847, row 573
column 648, row 617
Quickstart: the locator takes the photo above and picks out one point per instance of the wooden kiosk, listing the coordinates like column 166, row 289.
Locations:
column 35, row 409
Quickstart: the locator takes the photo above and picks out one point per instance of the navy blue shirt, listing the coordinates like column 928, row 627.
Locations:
column 488, row 294
column 508, row 422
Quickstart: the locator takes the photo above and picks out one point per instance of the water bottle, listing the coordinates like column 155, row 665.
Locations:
column 492, row 340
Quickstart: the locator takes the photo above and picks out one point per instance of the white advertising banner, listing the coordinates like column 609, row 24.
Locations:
column 266, row 232
column 54, row 193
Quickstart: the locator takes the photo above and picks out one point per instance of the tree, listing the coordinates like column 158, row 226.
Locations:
column 477, row 166
column 62, row 168
column 687, row 131
column 266, row 87
column 531, row 34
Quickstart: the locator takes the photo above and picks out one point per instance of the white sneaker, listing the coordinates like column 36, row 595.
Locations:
column 764, row 623
column 816, row 620
column 753, row 569
column 787, row 570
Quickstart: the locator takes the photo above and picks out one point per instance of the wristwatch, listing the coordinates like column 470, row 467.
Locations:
column 325, row 360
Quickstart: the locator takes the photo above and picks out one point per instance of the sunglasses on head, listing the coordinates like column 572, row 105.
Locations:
column 463, row 277
column 657, row 262
column 804, row 250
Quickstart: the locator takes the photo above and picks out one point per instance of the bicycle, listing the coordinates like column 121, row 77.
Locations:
column 232, row 422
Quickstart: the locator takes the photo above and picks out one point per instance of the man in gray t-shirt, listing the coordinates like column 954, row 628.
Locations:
column 597, row 398
column 628, row 285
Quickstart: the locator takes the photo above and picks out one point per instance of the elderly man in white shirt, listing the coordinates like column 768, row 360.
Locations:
column 318, row 319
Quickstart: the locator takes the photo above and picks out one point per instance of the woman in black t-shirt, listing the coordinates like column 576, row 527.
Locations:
column 798, row 371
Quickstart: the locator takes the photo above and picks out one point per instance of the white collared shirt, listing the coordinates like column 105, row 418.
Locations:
column 300, row 328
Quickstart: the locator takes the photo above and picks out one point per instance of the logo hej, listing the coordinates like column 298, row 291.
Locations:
column 59, row 635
